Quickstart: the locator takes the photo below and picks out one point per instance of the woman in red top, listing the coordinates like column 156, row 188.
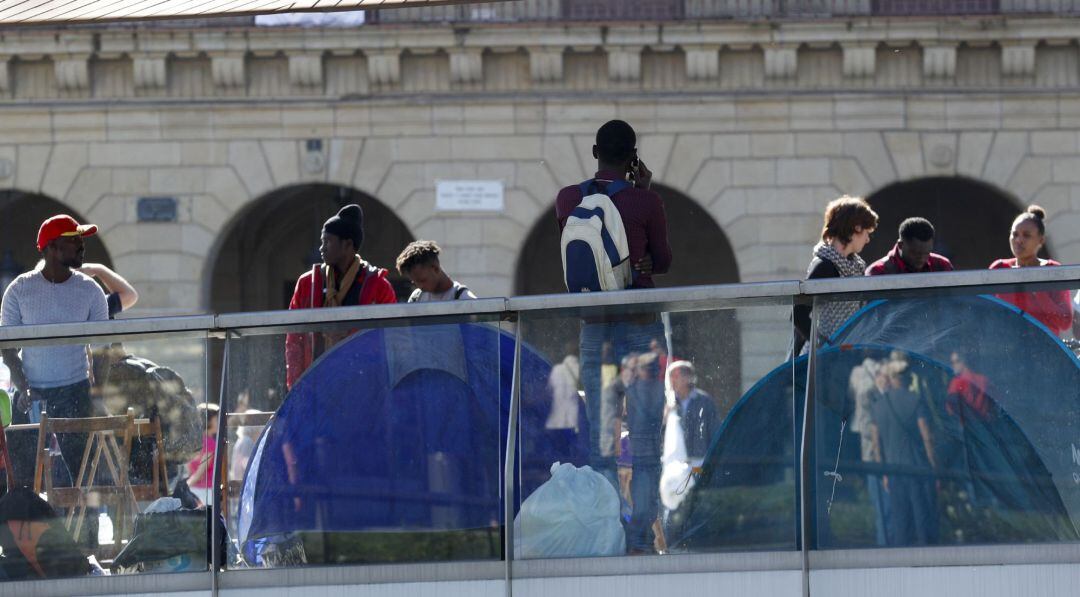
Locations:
column 1028, row 236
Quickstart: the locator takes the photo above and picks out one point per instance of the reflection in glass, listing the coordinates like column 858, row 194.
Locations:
column 106, row 509
column 945, row 420
column 387, row 448
column 659, row 408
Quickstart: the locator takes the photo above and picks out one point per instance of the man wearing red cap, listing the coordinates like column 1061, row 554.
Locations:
column 57, row 376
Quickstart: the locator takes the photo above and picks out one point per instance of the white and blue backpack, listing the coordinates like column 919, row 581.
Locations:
column 595, row 252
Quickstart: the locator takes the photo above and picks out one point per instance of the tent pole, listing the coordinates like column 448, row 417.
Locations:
column 806, row 447
column 508, row 467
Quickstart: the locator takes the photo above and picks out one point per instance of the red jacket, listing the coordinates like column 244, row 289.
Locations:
column 375, row 289
column 894, row 264
column 1052, row 307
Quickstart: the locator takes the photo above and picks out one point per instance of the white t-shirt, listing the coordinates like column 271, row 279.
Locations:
column 33, row 300
column 456, row 292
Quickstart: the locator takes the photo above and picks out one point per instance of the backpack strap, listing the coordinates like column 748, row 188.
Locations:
column 415, row 296
column 459, row 289
column 592, row 186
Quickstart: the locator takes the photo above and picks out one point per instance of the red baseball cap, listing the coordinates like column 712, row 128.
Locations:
column 58, row 226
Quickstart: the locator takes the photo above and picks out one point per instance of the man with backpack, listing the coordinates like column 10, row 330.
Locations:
column 614, row 249
column 419, row 262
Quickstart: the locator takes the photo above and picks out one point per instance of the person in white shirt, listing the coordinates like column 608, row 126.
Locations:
column 419, row 262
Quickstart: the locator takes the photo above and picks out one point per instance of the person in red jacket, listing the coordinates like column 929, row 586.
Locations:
column 342, row 279
column 1028, row 236
column 913, row 253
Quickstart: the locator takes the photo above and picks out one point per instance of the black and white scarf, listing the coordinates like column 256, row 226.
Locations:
column 833, row 314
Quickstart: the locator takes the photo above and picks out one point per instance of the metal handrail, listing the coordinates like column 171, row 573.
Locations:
column 716, row 296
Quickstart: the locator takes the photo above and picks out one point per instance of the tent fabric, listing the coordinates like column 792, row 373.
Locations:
column 401, row 429
column 1010, row 469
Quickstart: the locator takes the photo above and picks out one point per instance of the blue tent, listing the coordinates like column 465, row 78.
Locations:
column 1006, row 476
column 401, row 429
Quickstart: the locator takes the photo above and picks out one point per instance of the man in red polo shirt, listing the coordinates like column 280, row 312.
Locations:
column 912, row 253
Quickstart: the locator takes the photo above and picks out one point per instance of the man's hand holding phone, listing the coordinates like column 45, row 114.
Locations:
column 639, row 174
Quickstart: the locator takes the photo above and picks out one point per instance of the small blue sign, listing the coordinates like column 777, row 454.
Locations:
column 157, row 209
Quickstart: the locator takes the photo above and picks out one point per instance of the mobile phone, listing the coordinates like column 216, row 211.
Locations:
column 632, row 170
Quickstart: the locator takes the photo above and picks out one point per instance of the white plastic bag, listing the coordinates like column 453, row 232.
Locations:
column 574, row 514
column 676, row 478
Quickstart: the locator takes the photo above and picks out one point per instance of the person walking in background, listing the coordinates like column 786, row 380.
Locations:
column 342, row 279
column 644, row 411
column 419, row 262
column 1026, row 239
column 622, row 174
column 913, row 253
column 849, row 222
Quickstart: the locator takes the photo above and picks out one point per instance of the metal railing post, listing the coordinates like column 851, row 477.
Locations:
column 806, row 447
column 508, row 467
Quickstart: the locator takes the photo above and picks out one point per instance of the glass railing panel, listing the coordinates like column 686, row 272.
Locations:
column 947, row 419
column 649, row 432
column 103, row 454
column 367, row 442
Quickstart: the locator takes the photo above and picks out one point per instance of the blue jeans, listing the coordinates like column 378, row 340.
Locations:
column 645, row 491
column 625, row 338
column 67, row 402
column 879, row 499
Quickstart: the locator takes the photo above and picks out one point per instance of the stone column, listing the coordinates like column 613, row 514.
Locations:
column 703, row 62
column 306, row 70
column 624, row 63
column 781, row 61
column 228, row 70
column 939, row 61
column 150, row 71
column 860, row 59
column 546, row 64
column 384, row 66
column 72, row 71
column 1017, row 59
column 466, row 65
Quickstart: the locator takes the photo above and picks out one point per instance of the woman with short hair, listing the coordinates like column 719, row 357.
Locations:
column 849, row 222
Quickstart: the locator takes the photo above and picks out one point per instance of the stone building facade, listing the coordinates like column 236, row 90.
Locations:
column 750, row 127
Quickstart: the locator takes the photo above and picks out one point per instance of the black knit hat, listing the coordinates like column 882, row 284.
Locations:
column 347, row 224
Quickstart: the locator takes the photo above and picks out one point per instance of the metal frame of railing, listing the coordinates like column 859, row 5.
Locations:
column 238, row 325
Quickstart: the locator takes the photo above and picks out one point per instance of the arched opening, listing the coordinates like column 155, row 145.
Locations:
column 276, row 238
column 266, row 248
column 971, row 218
column 702, row 255
column 21, row 214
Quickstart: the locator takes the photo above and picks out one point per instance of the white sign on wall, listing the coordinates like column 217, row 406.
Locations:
column 469, row 195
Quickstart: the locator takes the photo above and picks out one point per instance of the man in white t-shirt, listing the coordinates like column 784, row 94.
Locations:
column 58, row 375
column 419, row 262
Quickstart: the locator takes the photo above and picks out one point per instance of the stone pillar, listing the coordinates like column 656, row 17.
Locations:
column 150, row 71
column 624, row 63
column 384, row 66
column 780, row 62
column 703, row 62
column 1017, row 59
column 5, row 74
column 466, row 65
column 546, row 64
column 306, row 70
column 939, row 61
column 228, row 70
column 860, row 60
column 72, row 71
